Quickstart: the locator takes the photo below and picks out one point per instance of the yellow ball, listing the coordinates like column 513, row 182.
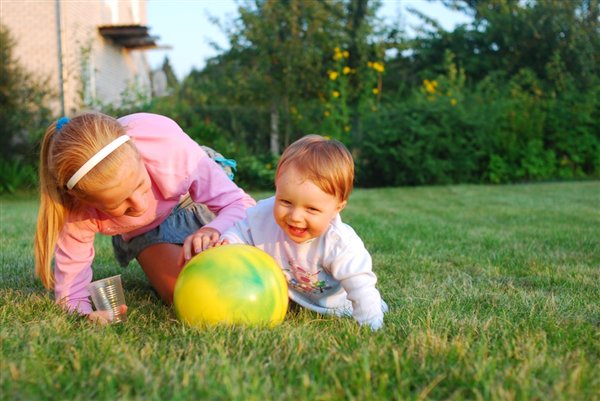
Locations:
column 235, row 284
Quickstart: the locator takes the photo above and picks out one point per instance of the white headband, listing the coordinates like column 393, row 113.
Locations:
column 97, row 158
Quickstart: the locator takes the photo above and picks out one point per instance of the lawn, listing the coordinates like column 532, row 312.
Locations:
column 494, row 294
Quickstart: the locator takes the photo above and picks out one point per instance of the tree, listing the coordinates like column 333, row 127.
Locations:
column 289, row 41
column 172, row 81
column 23, row 104
column 359, row 29
column 511, row 35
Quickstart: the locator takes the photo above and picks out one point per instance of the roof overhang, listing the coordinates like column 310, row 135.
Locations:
column 130, row 36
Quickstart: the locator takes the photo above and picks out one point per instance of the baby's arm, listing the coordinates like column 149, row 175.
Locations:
column 353, row 268
column 239, row 233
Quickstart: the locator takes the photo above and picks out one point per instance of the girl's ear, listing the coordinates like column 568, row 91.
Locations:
column 341, row 206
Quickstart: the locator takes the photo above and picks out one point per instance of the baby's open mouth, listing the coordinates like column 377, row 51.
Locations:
column 296, row 231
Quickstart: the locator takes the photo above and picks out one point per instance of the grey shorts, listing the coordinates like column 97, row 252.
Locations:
column 186, row 218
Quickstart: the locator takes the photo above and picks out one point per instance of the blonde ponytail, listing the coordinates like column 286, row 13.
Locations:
column 62, row 153
column 51, row 214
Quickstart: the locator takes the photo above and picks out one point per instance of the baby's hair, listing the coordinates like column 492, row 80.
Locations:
column 325, row 162
column 62, row 153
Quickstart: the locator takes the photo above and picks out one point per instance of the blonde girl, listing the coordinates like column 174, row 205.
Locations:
column 139, row 179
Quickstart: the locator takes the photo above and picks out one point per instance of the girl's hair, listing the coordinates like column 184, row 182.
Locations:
column 325, row 162
column 62, row 154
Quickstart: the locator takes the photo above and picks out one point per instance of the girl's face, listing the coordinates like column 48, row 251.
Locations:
column 125, row 194
column 302, row 209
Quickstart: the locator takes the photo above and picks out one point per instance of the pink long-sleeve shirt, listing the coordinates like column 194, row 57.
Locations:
column 176, row 166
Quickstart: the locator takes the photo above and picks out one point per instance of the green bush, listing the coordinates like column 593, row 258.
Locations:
column 504, row 129
column 427, row 138
column 207, row 126
column 256, row 172
column 573, row 130
column 15, row 174
column 24, row 110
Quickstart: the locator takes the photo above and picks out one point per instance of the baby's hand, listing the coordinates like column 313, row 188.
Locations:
column 105, row 316
column 374, row 324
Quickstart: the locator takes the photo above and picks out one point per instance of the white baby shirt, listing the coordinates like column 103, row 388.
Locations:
column 330, row 274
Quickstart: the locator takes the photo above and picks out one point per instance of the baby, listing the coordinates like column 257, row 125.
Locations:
column 325, row 262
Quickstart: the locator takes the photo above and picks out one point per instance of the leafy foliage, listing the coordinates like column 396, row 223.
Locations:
column 24, row 112
column 15, row 175
column 504, row 129
column 511, row 96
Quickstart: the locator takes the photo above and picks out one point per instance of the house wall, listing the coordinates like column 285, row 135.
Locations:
column 93, row 67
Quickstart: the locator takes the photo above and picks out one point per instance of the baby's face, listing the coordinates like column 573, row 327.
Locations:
column 125, row 194
column 302, row 209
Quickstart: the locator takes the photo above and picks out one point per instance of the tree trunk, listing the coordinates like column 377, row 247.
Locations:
column 357, row 10
column 288, row 122
column 274, row 128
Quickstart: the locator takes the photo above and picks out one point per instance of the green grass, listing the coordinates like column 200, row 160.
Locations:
column 494, row 294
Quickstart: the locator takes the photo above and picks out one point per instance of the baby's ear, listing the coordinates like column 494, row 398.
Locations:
column 341, row 206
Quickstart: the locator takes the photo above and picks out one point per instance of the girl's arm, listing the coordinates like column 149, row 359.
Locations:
column 239, row 233
column 178, row 166
column 212, row 187
column 215, row 189
column 73, row 271
column 73, row 267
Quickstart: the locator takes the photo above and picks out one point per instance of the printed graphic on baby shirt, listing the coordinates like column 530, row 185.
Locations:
column 303, row 280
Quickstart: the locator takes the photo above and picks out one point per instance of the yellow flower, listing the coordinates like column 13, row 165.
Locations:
column 293, row 110
column 378, row 67
column 346, row 70
column 335, row 94
column 347, row 128
column 453, row 102
column 337, row 53
column 375, row 91
column 430, row 86
column 370, row 64
column 373, row 108
column 346, row 54
column 332, row 75
column 326, row 113
column 269, row 166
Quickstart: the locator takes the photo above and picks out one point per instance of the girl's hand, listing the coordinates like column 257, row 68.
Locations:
column 220, row 243
column 104, row 317
column 199, row 241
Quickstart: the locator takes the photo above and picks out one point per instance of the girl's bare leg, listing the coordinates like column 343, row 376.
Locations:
column 161, row 263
